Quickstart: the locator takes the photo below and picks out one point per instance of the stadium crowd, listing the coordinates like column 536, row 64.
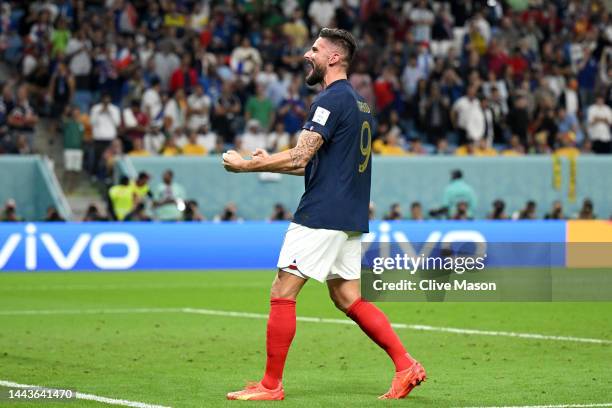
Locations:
column 194, row 77
column 188, row 77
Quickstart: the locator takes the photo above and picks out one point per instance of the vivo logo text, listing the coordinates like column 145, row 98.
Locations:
column 67, row 260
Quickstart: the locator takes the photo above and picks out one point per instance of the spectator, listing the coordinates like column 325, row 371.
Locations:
column 569, row 99
column 292, row 110
column 135, row 124
column 459, row 191
column 226, row 109
column 122, row 198
column 53, row 215
column 22, row 119
column 184, row 77
column 416, row 211
column 107, row 162
column 166, row 62
column 192, row 213
column 230, row 213
column 105, row 121
column 395, row 213
column 586, row 211
column 141, row 188
column 556, row 212
column 278, row 139
column 515, row 148
column 253, row 137
column 198, row 109
column 415, row 146
column 73, row 132
column 171, row 147
column 9, row 213
column 389, row 145
column 422, row 19
column 527, row 213
column 518, row 120
column 259, row 107
column 169, row 198
column 442, row 148
column 138, row 214
column 280, row 213
column 321, row 13
column 567, row 122
column 175, row 111
column 436, row 118
column 138, row 149
column 245, row 59
column 61, row 89
column 567, row 145
column 468, row 117
column 152, row 103
column 599, row 120
column 193, row 147
column 498, row 211
column 80, row 64
column 93, row 214
column 461, row 212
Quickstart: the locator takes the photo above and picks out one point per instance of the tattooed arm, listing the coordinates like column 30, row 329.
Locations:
column 292, row 161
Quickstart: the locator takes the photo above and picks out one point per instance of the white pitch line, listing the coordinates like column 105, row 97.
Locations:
column 90, row 397
column 228, row 313
column 605, row 404
column 88, row 311
column 128, row 286
column 419, row 327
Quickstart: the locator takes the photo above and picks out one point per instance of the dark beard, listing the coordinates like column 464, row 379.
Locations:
column 316, row 76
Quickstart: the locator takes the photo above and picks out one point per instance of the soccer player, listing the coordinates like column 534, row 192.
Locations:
column 323, row 241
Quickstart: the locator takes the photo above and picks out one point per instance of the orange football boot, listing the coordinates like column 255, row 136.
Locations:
column 405, row 381
column 257, row 392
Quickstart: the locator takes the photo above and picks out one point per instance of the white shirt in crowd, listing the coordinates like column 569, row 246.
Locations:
column 322, row 13
column 199, row 102
column 80, row 62
column 470, row 117
column 245, row 59
column 599, row 131
column 173, row 111
column 571, row 101
column 129, row 119
column 152, row 105
column 153, row 142
column 105, row 122
column 253, row 140
column 165, row 65
column 423, row 19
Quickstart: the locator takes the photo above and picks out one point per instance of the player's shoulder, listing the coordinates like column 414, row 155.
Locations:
column 342, row 95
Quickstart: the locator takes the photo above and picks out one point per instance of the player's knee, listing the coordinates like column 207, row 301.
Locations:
column 284, row 288
column 341, row 302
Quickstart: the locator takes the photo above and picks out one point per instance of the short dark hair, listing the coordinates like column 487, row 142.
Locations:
column 341, row 38
column 456, row 174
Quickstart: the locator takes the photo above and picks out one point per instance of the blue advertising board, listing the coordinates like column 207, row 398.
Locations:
column 247, row 245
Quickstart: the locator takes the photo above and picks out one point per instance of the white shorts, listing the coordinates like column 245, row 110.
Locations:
column 73, row 159
column 321, row 254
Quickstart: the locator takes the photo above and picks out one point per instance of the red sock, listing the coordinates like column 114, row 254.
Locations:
column 376, row 325
column 281, row 329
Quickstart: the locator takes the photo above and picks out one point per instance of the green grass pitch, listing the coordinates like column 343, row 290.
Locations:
column 191, row 360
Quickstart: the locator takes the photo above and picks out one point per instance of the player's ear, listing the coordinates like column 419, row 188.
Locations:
column 334, row 58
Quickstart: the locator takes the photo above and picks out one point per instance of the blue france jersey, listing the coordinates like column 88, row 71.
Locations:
column 338, row 177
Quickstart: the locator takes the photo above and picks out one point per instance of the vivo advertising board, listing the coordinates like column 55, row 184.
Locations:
column 253, row 245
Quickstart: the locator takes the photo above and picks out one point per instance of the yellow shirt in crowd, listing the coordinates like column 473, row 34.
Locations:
column 194, row 150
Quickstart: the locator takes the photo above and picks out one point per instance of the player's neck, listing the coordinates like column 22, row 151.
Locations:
column 332, row 77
